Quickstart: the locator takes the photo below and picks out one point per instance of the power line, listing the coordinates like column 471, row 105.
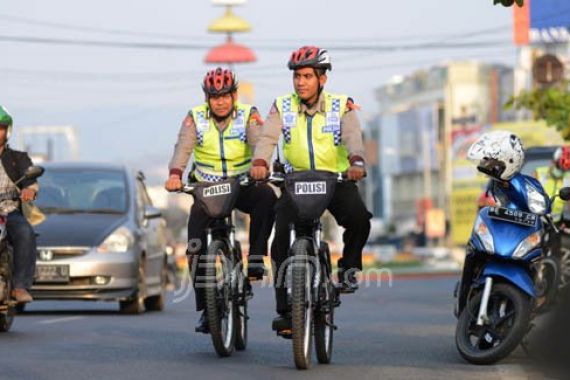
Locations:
column 83, row 28
column 123, row 32
column 93, row 43
column 191, row 83
column 187, row 46
column 177, row 76
column 112, row 31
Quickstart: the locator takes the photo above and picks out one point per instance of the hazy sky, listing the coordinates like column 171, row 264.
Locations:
column 127, row 104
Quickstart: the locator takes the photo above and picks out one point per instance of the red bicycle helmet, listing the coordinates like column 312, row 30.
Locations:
column 562, row 158
column 219, row 82
column 310, row 56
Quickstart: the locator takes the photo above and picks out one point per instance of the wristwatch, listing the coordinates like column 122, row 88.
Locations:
column 358, row 163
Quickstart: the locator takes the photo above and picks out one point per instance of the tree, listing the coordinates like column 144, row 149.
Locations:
column 551, row 104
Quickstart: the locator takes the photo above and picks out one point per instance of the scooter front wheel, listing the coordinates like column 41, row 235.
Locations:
column 508, row 312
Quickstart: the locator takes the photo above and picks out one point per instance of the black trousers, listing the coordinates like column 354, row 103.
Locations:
column 349, row 211
column 256, row 200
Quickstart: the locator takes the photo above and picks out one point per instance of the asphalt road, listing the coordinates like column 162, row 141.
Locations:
column 403, row 331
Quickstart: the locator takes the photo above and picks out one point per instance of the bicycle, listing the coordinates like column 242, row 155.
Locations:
column 311, row 292
column 227, row 289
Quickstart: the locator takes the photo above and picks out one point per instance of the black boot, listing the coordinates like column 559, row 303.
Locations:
column 347, row 281
column 255, row 268
column 282, row 322
column 203, row 326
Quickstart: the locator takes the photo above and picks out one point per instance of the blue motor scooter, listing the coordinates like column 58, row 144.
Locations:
column 503, row 276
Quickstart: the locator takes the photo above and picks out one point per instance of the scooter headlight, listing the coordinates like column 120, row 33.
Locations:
column 527, row 245
column 536, row 201
column 482, row 232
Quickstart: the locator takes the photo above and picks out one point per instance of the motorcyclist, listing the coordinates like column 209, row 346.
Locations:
column 20, row 233
column 554, row 177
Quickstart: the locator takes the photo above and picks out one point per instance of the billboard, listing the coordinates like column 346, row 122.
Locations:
column 542, row 21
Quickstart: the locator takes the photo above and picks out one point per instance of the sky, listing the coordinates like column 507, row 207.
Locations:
column 127, row 103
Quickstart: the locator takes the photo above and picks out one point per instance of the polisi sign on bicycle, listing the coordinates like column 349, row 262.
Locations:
column 309, row 188
column 214, row 191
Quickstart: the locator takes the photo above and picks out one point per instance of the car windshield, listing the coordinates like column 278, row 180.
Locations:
column 82, row 191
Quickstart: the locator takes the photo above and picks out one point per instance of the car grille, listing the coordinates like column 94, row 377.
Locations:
column 53, row 253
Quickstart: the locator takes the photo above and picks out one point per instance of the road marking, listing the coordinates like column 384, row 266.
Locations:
column 57, row 320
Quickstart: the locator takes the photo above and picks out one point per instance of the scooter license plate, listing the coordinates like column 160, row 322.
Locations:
column 52, row 274
column 513, row 216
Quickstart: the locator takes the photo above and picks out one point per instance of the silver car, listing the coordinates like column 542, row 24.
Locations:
column 102, row 239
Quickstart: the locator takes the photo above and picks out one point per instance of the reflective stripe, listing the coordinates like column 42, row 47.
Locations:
column 203, row 164
column 222, row 154
column 310, row 141
column 243, row 163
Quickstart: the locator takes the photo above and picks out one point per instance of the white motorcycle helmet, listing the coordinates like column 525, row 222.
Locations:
column 498, row 154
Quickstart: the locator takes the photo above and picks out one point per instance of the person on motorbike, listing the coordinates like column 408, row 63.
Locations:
column 222, row 133
column 553, row 178
column 320, row 131
column 21, row 235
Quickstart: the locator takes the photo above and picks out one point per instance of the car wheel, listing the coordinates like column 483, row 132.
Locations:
column 157, row 302
column 136, row 304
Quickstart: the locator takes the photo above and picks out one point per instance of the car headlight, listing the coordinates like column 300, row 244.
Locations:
column 483, row 233
column 121, row 240
column 536, row 201
column 527, row 245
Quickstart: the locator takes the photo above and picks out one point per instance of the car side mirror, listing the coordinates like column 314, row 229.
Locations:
column 151, row 212
column 564, row 194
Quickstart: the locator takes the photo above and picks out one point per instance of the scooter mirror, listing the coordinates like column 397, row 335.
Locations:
column 565, row 194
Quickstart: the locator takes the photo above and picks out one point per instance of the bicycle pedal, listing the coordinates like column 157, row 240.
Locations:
column 334, row 327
